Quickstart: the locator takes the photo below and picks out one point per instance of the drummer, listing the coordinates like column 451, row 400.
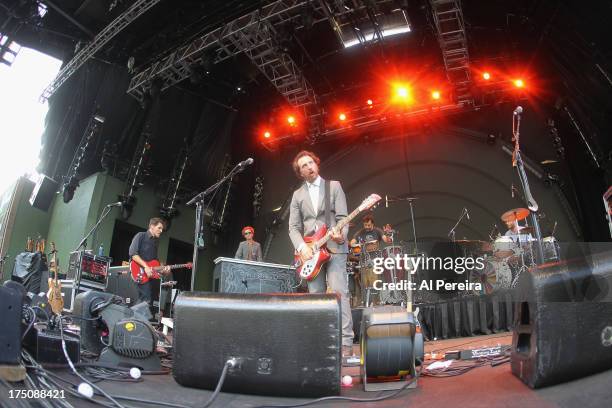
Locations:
column 371, row 233
column 516, row 232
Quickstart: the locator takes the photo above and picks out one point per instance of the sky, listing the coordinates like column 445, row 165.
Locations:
column 22, row 115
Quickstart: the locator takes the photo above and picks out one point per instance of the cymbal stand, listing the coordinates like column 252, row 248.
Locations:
column 520, row 168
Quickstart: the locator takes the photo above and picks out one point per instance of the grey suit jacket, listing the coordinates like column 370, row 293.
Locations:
column 303, row 218
column 243, row 251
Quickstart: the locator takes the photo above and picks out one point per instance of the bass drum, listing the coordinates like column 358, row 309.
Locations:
column 496, row 275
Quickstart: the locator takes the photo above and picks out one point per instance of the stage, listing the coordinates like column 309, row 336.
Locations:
column 484, row 386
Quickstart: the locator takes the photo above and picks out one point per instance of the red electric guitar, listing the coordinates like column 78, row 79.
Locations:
column 310, row 269
column 139, row 275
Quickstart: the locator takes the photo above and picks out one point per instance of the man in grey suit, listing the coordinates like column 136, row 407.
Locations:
column 249, row 249
column 306, row 216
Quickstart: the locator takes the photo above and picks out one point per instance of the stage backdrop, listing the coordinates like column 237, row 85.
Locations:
column 446, row 170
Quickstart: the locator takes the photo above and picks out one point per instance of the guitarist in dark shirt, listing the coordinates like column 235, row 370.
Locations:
column 144, row 249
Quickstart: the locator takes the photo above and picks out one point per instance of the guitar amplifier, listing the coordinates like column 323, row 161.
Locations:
column 241, row 276
column 89, row 267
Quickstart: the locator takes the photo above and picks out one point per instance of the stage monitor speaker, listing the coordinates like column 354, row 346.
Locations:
column 43, row 193
column 388, row 348
column 11, row 301
column 285, row 344
column 563, row 321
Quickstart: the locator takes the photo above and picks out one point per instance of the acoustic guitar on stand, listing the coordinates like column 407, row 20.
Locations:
column 310, row 269
column 140, row 276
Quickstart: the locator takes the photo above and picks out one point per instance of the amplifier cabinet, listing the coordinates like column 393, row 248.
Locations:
column 283, row 344
column 240, row 276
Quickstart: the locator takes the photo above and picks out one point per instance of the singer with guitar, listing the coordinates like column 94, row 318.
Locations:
column 143, row 249
column 307, row 215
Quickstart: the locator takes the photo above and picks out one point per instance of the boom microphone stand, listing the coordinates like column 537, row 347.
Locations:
column 517, row 161
column 198, row 200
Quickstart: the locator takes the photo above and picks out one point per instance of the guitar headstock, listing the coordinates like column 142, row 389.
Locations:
column 369, row 202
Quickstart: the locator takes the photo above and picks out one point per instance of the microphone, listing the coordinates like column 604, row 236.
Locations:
column 467, row 214
column 246, row 162
column 518, row 110
column 117, row 204
column 386, row 201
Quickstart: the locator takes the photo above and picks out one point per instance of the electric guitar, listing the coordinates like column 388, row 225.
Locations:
column 310, row 269
column 54, row 295
column 140, row 276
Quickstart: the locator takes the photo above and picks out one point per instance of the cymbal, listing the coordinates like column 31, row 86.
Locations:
column 516, row 214
column 526, row 230
column 474, row 243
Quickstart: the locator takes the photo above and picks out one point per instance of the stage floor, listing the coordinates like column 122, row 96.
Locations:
column 485, row 387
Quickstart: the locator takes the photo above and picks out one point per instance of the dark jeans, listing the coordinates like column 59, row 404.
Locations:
column 144, row 293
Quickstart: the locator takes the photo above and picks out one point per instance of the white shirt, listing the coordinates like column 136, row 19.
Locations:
column 313, row 191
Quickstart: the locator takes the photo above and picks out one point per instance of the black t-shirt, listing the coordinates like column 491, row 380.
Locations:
column 144, row 245
column 364, row 236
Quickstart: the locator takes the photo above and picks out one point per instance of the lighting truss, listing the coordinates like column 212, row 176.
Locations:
column 448, row 18
column 253, row 34
column 115, row 27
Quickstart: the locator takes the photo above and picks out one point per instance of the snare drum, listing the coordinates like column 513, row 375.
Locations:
column 504, row 247
column 371, row 246
column 551, row 250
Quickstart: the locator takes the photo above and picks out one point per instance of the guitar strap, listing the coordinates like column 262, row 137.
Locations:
column 327, row 203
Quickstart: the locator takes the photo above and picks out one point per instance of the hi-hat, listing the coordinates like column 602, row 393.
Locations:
column 515, row 214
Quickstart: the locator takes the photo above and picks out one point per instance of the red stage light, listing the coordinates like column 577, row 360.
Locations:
column 519, row 83
column 369, row 102
column 486, row 76
column 402, row 93
column 342, row 117
column 435, row 95
column 267, row 134
column 291, row 120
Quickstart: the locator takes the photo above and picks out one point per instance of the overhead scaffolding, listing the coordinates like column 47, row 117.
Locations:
column 117, row 25
column 448, row 18
column 253, row 34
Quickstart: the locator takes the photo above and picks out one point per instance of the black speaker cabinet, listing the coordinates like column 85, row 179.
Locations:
column 43, row 193
column 285, row 344
column 563, row 321
column 10, row 335
column 120, row 283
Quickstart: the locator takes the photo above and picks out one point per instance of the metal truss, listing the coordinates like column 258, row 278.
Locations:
column 255, row 35
column 117, row 25
column 448, row 18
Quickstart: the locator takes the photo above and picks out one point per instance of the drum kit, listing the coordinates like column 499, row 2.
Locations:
column 507, row 256
column 360, row 267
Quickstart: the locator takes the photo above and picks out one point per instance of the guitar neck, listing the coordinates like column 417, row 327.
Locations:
column 159, row 268
column 338, row 227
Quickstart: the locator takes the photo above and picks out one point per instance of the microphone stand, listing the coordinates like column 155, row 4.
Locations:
column 520, row 168
column 410, row 201
column 198, row 200
column 451, row 233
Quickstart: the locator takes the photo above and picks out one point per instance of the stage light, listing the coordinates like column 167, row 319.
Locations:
column 402, row 93
column 486, row 76
column 291, row 120
column 342, row 117
column 519, row 83
column 435, row 95
column 267, row 134
column 369, row 102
